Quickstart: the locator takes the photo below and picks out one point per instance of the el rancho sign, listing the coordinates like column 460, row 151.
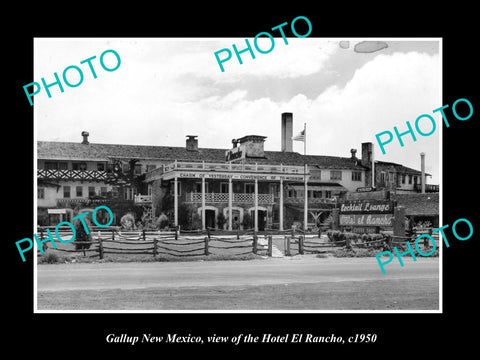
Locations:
column 366, row 213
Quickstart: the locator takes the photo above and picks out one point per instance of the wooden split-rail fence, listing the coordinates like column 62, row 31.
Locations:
column 176, row 243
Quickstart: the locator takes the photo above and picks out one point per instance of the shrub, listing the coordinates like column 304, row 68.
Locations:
column 221, row 220
column 82, row 239
column 50, row 258
column 162, row 221
column 247, row 221
column 127, row 221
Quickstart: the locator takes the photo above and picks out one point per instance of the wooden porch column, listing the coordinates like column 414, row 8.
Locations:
column 256, row 206
column 305, row 207
column 203, row 204
column 230, row 203
column 280, row 206
column 175, row 201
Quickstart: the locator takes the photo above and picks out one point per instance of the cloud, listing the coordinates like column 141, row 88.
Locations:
column 166, row 89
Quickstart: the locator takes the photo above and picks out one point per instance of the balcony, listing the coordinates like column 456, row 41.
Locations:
column 238, row 198
column 429, row 188
column 143, row 199
column 72, row 175
column 299, row 200
column 224, row 168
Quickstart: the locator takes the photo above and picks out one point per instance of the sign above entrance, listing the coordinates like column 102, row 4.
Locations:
column 233, row 176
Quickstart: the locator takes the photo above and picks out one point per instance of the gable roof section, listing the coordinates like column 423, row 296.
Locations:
column 399, row 168
column 52, row 150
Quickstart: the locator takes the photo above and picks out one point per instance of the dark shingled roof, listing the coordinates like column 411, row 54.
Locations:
column 419, row 204
column 52, row 150
column 399, row 168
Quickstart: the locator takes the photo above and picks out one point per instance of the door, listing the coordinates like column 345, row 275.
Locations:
column 262, row 219
column 210, row 218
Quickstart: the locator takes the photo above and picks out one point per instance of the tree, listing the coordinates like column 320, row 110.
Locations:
column 82, row 239
column 221, row 220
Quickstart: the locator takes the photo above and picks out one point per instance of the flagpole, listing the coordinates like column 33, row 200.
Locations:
column 305, row 208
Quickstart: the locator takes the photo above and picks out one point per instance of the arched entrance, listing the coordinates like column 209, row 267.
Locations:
column 237, row 217
column 211, row 213
column 262, row 217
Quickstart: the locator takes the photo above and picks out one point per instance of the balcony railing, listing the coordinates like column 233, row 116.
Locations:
column 184, row 165
column 429, row 188
column 238, row 198
column 84, row 175
column 143, row 199
column 226, row 167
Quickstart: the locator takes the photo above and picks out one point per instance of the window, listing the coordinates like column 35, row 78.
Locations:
column 41, row 193
column 335, row 175
column 249, row 188
column 79, row 166
column 317, row 194
column 275, row 189
column 91, row 191
column 128, row 193
column 151, row 167
column 410, row 179
column 138, row 169
column 403, row 178
column 103, row 191
column 382, row 178
column 328, row 194
column 66, row 192
column 292, row 193
column 79, row 191
column 198, row 187
column 315, row 174
column 62, row 165
column 224, row 188
column 356, row 176
column 100, row 166
column 51, row 165
column 415, row 179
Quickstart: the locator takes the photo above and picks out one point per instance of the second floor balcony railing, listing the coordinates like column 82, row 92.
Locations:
column 84, row 175
column 238, row 198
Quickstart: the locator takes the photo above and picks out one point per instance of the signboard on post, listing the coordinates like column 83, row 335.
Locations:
column 366, row 213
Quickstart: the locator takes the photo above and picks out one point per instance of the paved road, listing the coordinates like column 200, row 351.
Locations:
column 298, row 269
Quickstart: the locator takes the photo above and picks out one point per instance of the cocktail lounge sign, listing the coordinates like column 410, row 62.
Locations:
column 366, row 213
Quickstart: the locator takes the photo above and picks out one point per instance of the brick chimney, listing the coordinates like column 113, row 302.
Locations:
column 353, row 152
column 422, row 166
column 192, row 143
column 85, row 137
column 287, row 132
column 367, row 149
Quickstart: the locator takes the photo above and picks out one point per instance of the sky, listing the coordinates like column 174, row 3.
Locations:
column 344, row 90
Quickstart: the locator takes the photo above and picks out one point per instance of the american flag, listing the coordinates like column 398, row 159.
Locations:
column 300, row 136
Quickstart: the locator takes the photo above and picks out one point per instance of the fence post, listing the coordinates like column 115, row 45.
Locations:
column 155, row 240
column 208, row 232
column 287, row 248
column 389, row 243
column 177, row 229
column 238, row 233
column 100, row 247
column 300, row 244
column 206, row 246
column 254, row 244
column 270, row 245
column 44, row 245
column 143, row 234
column 113, row 235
